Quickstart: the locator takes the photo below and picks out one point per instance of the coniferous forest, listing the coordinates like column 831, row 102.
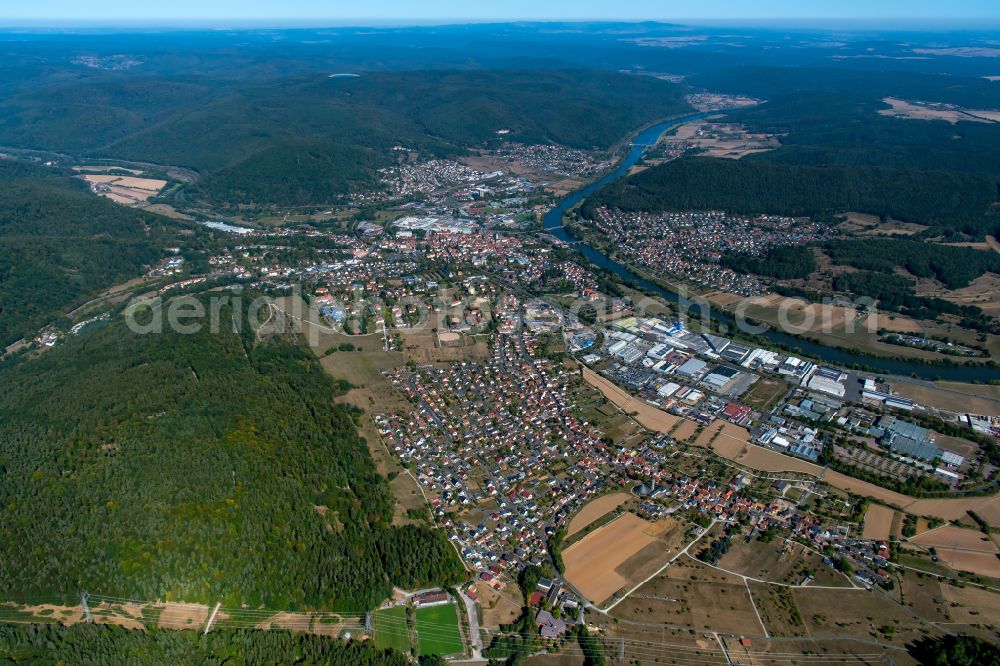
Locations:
column 107, row 645
column 208, row 467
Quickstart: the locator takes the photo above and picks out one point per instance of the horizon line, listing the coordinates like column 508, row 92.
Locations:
column 223, row 23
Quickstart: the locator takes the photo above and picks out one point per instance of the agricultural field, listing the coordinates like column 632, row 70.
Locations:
column 878, row 522
column 648, row 416
column 438, row 630
column 391, row 629
column 901, row 108
column 724, row 140
column 125, row 190
column 684, row 430
column 620, row 554
column 595, row 510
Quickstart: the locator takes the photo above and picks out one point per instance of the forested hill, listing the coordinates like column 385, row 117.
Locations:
column 290, row 141
column 60, row 245
column 838, row 153
column 942, row 198
column 205, row 467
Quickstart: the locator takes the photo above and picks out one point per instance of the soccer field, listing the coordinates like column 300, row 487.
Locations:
column 391, row 630
column 437, row 630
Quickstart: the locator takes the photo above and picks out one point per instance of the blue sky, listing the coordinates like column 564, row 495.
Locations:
column 340, row 11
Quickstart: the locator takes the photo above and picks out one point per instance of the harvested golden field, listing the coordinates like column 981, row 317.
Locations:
column 648, row 416
column 591, row 563
column 950, row 536
column 982, row 563
column 878, row 522
column 125, row 190
column 732, row 443
column 988, row 508
column 910, row 110
column 594, row 510
column 620, row 554
column 149, row 184
column 684, row 430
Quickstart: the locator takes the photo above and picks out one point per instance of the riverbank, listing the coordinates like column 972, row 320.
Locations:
column 553, row 224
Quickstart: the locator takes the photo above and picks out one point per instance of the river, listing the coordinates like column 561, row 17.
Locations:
column 643, row 141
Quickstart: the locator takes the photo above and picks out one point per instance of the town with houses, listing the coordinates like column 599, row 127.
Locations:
column 582, row 396
column 688, row 246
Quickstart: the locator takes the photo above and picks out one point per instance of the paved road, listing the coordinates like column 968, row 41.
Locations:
column 474, row 636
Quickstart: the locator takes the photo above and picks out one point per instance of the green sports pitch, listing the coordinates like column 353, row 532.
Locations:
column 437, row 630
column 391, row 630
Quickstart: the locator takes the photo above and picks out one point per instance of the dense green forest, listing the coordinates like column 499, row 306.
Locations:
column 305, row 140
column 954, row 266
column 854, row 82
column 838, row 153
column 60, row 244
column 292, row 174
column 784, row 262
column 758, row 186
column 206, row 467
column 107, row 645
